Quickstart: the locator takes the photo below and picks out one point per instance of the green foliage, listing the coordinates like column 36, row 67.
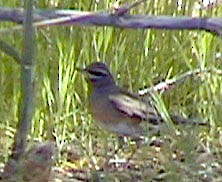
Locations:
column 138, row 59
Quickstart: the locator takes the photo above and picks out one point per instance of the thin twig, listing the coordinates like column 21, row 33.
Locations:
column 11, row 51
column 169, row 84
column 120, row 10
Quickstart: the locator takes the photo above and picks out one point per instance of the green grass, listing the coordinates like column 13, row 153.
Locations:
column 138, row 59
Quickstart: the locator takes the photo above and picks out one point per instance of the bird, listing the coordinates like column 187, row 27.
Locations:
column 34, row 165
column 117, row 110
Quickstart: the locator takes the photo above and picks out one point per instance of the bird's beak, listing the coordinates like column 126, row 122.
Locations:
column 82, row 70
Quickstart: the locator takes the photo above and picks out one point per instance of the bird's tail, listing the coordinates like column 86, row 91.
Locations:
column 181, row 120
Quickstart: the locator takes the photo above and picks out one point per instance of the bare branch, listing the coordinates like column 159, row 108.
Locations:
column 45, row 18
column 11, row 51
column 13, row 168
column 25, row 114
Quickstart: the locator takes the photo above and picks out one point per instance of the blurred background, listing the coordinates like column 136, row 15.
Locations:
column 138, row 59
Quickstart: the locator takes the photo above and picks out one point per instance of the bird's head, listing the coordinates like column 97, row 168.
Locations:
column 99, row 75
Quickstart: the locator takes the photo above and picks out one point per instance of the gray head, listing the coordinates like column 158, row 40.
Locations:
column 99, row 75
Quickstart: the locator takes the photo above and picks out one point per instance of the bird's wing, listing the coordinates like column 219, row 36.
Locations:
column 133, row 107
